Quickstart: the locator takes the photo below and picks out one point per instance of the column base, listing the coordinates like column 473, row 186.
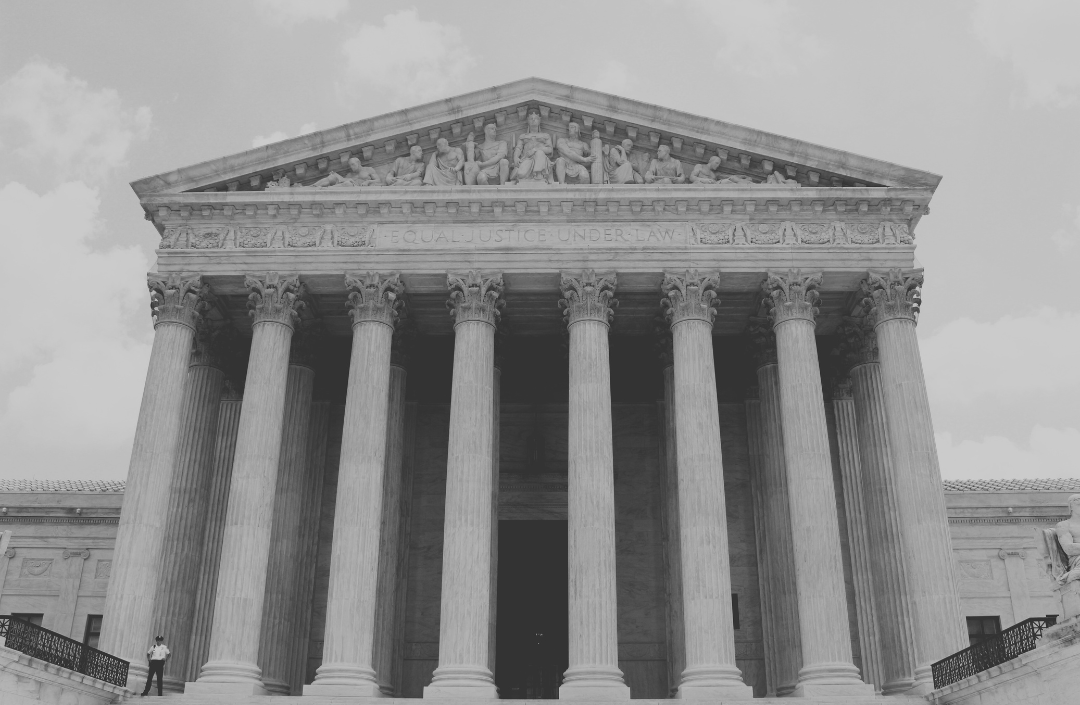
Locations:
column 360, row 689
column 714, row 692
column 476, row 691
column 137, row 673
column 227, row 678
column 275, row 687
column 243, row 689
column 833, row 690
column 593, row 683
column 462, row 682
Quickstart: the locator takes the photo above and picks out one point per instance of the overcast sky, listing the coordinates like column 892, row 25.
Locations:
column 95, row 95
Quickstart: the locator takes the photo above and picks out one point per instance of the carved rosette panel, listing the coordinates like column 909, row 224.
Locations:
column 474, row 297
column 304, row 235
column 36, row 567
column 354, row 236
column 588, row 298
column 892, row 294
column 864, row 233
column 207, row 238
column 689, row 297
column 175, row 238
column 976, row 570
column 103, row 570
column 374, row 298
column 714, row 233
column 249, row 238
column 275, row 298
column 177, row 299
column 858, row 342
column 762, row 341
column 790, row 233
column 792, row 296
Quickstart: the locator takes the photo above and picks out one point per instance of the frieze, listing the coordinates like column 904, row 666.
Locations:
column 36, row 567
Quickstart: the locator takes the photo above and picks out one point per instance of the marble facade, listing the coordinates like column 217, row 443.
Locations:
column 698, row 370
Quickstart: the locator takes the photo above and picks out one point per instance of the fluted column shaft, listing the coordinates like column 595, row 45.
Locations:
column 234, row 641
column 277, row 649
column 391, row 530
column 466, row 578
column 127, row 629
column 594, row 639
column 827, row 667
column 347, row 667
column 893, row 299
column 676, row 639
column 706, row 570
column 752, row 407
column 496, row 409
column 174, row 611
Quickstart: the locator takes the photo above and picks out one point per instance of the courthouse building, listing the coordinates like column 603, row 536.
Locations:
column 535, row 392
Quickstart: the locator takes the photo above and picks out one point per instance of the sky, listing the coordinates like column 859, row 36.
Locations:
column 987, row 94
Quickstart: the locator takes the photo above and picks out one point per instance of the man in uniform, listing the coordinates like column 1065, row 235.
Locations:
column 157, row 654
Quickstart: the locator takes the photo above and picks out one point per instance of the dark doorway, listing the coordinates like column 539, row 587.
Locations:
column 531, row 641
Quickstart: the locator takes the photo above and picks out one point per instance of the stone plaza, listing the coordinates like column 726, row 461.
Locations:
column 537, row 392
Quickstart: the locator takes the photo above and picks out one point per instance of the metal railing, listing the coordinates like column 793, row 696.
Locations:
column 996, row 650
column 58, row 649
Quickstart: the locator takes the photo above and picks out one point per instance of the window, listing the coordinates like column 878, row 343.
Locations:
column 982, row 629
column 32, row 617
column 93, row 630
column 735, row 610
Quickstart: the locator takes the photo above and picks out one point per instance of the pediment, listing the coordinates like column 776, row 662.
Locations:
column 380, row 140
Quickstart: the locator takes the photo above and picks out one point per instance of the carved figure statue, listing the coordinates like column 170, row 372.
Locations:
column 281, row 180
column 574, row 159
column 618, row 168
column 444, row 167
column 777, row 178
column 737, row 180
column 706, row 173
column 493, row 163
column 532, row 156
column 407, row 171
column 1060, row 546
column 357, row 175
column 664, row 169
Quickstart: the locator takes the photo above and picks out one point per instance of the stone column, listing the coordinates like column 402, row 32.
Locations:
column 277, row 649
column 779, row 557
column 63, row 618
column 827, row 668
column 676, row 640
column 496, row 408
column 174, row 613
column 769, row 630
column 217, row 503
column 893, row 303
column 594, row 637
column 347, row 667
column 234, row 637
column 391, row 525
column 710, row 673
column 876, row 475
column 860, row 550
column 466, row 579
column 127, row 628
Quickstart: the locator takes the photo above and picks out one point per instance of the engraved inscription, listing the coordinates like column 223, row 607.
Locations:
column 554, row 236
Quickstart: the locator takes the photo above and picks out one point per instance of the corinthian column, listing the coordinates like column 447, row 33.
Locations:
column 594, row 638
column 710, row 673
column 779, row 590
column 174, row 613
column 234, row 637
column 827, row 668
column 466, row 580
column 893, row 302
column 347, row 667
column 175, row 303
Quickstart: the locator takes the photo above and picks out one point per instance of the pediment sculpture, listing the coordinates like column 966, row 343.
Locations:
column 1060, row 546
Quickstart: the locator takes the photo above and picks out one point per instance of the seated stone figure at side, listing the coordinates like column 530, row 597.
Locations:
column 777, row 178
column 664, row 169
column 492, row 163
column 444, row 167
column 1060, row 546
column 356, row 176
column 532, row 156
column 574, row 159
column 617, row 166
column 407, row 171
column 705, row 174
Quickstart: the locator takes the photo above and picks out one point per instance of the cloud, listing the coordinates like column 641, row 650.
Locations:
column 83, row 133
column 73, row 369
column 740, row 26
column 968, row 362
column 614, row 77
column 279, row 135
column 1050, row 452
column 289, row 12
column 409, row 59
column 1038, row 37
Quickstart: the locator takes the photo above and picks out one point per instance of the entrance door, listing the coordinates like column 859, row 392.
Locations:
column 531, row 641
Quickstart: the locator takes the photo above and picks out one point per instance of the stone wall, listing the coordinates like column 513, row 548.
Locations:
column 25, row 680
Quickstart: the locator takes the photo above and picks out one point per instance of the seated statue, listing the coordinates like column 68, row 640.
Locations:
column 281, row 180
column 664, row 169
column 493, row 163
column 572, row 160
column 532, row 156
column 444, row 167
column 617, row 166
column 407, row 171
column 356, row 176
column 737, row 180
column 706, row 173
column 1060, row 546
column 777, row 178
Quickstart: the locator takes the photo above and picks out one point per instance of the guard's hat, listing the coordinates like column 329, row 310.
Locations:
column 159, row 637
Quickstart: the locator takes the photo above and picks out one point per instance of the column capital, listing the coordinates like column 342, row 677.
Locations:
column 762, row 341
column 588, row 297
column 374, row 298
column 474, row 297
column 893, row 294
column 274, row 298
column 792, row 295
column 858, row 342
column 690, row 296
column 177, row 298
